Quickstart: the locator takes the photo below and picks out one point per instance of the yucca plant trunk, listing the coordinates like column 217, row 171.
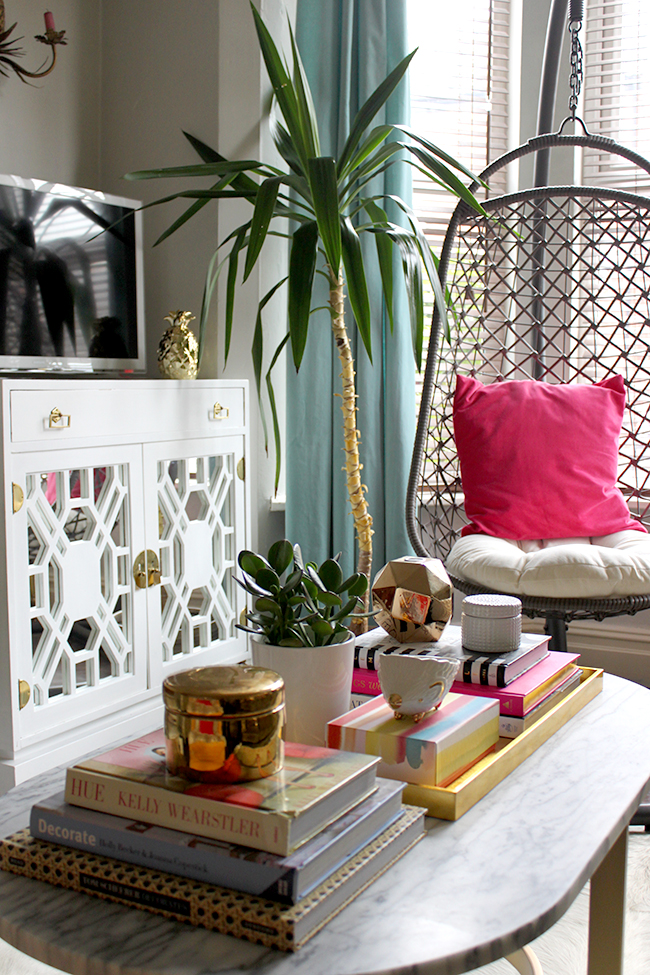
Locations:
column 355, row 488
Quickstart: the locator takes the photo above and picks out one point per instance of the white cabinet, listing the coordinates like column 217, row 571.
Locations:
column 125, row 505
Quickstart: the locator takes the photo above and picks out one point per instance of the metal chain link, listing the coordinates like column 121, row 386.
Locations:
column 576, row 77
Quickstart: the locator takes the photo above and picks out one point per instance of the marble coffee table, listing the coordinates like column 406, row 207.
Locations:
column 470, row 892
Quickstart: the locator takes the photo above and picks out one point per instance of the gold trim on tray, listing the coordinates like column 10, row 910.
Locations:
column 454, row 800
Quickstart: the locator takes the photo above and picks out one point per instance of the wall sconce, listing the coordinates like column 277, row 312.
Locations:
column 9, row 49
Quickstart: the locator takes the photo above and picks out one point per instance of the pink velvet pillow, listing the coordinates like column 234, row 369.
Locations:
column 539, row 460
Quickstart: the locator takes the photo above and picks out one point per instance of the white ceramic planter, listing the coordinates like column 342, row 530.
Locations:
column 318, row 682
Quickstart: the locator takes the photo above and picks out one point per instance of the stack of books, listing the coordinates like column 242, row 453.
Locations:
column 526, row 682
column 270, row 860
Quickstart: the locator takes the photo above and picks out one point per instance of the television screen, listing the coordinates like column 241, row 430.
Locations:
column 71, row 289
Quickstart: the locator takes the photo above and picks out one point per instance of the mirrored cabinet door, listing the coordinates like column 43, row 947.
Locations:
column 79, row 626
column 195, row 525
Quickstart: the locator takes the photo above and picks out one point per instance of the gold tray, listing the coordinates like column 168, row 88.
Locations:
column 454, row 800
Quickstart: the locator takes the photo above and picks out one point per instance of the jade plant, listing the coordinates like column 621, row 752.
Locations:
column 298, row 605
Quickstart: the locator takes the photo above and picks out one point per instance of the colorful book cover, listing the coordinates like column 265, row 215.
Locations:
column 284, row 879
column 530, row 688
column 494, row 669
column 275, row 814
column 432, row 751
column 218, row 908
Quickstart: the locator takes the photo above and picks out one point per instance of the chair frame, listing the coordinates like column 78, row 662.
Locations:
column 537, row 258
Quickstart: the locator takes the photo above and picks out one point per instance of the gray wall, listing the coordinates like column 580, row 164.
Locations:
column 133, row 76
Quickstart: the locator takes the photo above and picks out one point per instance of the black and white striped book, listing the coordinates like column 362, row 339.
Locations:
column 494, row 669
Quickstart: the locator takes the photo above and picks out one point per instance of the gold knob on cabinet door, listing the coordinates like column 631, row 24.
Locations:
column 220, row 412
column 18, row 496
column 146, row 570
column 24, row 693
column 241, row 469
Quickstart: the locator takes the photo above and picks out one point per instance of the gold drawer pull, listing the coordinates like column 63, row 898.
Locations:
column 220, row 412
column 59, row 420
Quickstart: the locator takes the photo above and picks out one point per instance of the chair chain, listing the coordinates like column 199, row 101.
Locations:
column 576, row 77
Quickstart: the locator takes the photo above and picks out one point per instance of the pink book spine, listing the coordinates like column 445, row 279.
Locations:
column 365, row 681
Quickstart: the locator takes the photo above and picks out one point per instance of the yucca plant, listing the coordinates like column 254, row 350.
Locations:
column 324, row 205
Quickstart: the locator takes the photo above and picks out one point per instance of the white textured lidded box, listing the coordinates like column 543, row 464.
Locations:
column 491, row 623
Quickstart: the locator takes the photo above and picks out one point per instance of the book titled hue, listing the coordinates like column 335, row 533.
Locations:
column 433, row 751
column 519, row 697
column 497, row 669
column 283, row 879
column 218, row 908
column 275, row 814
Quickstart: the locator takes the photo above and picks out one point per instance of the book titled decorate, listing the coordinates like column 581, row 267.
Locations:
column 206, row 905
column 283, row 879
column 275, row 814
column 496, row 669
column 433, row 751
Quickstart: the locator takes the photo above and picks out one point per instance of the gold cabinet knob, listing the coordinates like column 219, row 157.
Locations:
column 220, row 412
column 24, row 693
column 146, row 570
column 18, row 496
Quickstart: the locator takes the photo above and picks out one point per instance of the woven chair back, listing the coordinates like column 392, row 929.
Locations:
column 553, row 285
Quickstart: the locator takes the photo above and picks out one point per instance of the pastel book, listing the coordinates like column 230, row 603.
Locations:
column 221, row 909
column 432, row 751
column 528, row 690
column 497, row 669
column 283, row 879
column 276, row 814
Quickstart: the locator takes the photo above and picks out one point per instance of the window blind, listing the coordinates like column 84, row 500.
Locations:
column 459, row 97
column 617, row 89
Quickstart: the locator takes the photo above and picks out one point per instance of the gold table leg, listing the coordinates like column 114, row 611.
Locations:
column 607, row 912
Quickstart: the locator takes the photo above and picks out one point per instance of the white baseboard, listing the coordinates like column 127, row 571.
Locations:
column 617, row 649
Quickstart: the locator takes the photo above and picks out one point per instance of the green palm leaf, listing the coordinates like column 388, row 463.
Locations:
column 267, row 194
column 233, row 260
column 355, row 277
column 371, row 106
column 302, row 264
column 384, row 247
column 325, row 198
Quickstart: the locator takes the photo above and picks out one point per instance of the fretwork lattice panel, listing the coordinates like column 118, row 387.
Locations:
column 196, row 523
column 80, row 591
column 555, row 288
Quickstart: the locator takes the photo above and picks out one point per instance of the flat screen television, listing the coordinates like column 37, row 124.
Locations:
column 71, row 280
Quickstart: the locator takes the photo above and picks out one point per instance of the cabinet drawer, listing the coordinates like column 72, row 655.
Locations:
column 146, row 410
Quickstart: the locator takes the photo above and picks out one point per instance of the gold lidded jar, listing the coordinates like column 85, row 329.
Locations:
column 224, row 724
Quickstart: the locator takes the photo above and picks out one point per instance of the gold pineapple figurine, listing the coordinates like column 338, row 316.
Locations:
column 178, row 351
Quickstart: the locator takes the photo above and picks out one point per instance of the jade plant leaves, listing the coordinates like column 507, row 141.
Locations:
column 297, row 605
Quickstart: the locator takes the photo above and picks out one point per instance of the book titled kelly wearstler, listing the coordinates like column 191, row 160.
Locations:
column 283, row 879
column 275, row 814
column 493, row 669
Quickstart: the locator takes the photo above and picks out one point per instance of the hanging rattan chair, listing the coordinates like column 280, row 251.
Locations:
column 553, row 285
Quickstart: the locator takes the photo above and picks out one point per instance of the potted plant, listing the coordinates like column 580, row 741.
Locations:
column 324, row 205
column 298, row 627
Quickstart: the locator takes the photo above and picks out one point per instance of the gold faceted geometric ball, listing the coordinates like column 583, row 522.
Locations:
column 178, row 350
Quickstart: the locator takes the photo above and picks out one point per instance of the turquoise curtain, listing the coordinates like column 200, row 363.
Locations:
column 348, row 47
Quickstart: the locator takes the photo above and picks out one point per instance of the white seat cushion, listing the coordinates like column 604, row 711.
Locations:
column 592, row 568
